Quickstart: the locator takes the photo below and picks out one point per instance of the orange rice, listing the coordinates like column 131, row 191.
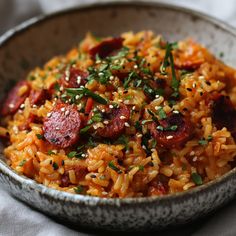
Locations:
column 128, row 165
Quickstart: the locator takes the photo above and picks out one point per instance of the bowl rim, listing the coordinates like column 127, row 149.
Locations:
column 92, row 200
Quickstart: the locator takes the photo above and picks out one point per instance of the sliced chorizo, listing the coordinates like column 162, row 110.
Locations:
column 38, row 97
column 62, row 125
column 168, row 138
column 73, row 78
column 15, row 98
column 224, row 113
column 116, row 117
column 106, row 47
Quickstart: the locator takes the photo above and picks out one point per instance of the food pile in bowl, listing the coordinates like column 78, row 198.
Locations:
column 130, row 116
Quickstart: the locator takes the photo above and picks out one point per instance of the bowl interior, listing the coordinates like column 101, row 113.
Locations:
column 24, row 48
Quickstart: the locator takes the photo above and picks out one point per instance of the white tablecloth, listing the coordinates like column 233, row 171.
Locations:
column 18, row 219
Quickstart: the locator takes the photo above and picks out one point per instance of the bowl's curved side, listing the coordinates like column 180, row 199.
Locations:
column 148, row 214
column 41, row 41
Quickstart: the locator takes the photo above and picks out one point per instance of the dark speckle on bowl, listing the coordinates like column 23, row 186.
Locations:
column 33, row 43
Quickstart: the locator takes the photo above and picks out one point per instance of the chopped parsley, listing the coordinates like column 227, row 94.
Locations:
column 204, row 141
column 79, row 155
column 57, row 87
column 115, row 168
column 141, row 168
column 129, row 78
column 31, row 78
column 153, row 115
column 138, row 126
column 169, row 61
column 97, row 117
column 51, row 152
column 161, row 113
column 196, row 178
column 122, row 53
column 79, row 189
column 86, row 92
column 72, row 154
column 39, row 136
column 22, row 163
column 170, row 128
column 123, row 140
column 91, row 142
column 149, row 91
column 85, row 129
column 166, row 63
column 55, row 166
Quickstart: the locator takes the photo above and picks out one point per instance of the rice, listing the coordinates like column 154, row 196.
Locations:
column 137, row 162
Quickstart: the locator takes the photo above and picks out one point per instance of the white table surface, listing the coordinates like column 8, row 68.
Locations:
column 18, row 219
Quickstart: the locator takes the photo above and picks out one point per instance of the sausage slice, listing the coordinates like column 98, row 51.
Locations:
column 168, row 138
column 117, row 117
column 15, row 98
column 73, row 78
column 106, row 47
column 62, row 125
column 224, row 113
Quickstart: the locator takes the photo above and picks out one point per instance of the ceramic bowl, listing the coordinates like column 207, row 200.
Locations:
column 34, row 42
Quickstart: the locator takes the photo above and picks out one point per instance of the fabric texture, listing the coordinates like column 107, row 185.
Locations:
column 16, row 218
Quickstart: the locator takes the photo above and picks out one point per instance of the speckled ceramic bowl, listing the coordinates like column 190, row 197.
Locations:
column 37, row 40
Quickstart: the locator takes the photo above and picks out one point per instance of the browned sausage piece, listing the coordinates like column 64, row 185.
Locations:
column 117, row 117
column 62, row 125
column 15, row 98
column 73, row 78
column 169, row 138
column 106, row 48
column 38, row 97
column 224, row 113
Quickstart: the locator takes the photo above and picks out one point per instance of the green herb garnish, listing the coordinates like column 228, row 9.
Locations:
column 57, row 87
column 72, row 154
column 115, row 168
column 79, row 189
column 86, row 92
column 97, row 117
column 204, row 141
column 141, row 168
column 116, row 67
column 130, row 77
column 154, row 118
column 196, row 178
column 174, row 81
column 123, row 140
column 51, row 152
column 85, row 129
column 170, row 128
column 22, row 163
column 169, row 61
column 55, row 166
column 91, row 142
column 138, row 126
column 31, row 78
column 76, row 154
column 39, row 136
column 161, row 113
